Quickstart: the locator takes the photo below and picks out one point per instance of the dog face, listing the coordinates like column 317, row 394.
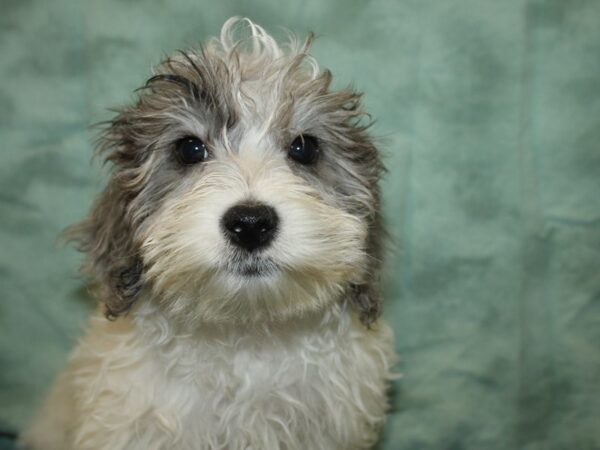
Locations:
column 242, row 189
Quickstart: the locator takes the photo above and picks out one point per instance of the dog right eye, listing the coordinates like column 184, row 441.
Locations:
column 304, row 149
column 191, row 150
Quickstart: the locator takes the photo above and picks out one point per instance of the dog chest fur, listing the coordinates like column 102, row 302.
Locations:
column 316, row 383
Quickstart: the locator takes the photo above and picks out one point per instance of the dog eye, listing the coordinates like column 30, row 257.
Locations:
column 304, row 149
column 191, row 150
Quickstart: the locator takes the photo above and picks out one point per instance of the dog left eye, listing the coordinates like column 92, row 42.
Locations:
column 191, row 150
column 304, row 149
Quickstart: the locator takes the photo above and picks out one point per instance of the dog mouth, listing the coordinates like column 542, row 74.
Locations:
column 251, row 267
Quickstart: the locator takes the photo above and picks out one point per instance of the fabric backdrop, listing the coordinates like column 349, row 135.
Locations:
column 489, row 116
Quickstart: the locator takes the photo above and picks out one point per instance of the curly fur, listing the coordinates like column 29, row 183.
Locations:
column 199, row 356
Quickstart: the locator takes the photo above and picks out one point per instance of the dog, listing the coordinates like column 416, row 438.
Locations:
column 236, row 252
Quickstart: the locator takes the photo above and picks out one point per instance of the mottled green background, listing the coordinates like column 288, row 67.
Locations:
column 489, row 114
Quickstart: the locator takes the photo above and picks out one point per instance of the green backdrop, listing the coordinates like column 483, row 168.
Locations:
column 489, row 115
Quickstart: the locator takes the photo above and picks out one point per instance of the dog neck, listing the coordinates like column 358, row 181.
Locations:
column 157, row 325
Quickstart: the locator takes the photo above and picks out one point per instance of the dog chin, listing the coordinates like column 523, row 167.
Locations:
column 253, row 279
column 252, row 268
column 252, row 291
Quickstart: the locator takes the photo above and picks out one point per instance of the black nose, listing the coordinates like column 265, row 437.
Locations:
column 250, row 226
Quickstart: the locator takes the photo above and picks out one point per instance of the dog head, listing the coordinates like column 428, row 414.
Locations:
column 243, row 188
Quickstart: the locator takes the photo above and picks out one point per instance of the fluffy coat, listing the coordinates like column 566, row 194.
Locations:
column 191, row 351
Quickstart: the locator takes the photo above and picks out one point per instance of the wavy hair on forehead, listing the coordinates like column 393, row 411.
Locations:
column 224, row 71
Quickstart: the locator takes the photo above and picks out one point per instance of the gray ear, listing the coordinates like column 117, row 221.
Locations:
column 112, row 260
column 106, row 235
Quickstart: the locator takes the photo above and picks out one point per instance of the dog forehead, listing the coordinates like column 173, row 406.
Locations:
column 264, row 116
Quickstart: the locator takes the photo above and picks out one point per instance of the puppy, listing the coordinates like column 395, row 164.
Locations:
column 236, row 253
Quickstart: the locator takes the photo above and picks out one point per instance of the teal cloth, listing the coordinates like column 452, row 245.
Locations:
column 489, row 116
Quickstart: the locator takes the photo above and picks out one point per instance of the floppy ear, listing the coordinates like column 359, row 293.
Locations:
column 112, row 260
column 358, row 181
column 106, row 235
